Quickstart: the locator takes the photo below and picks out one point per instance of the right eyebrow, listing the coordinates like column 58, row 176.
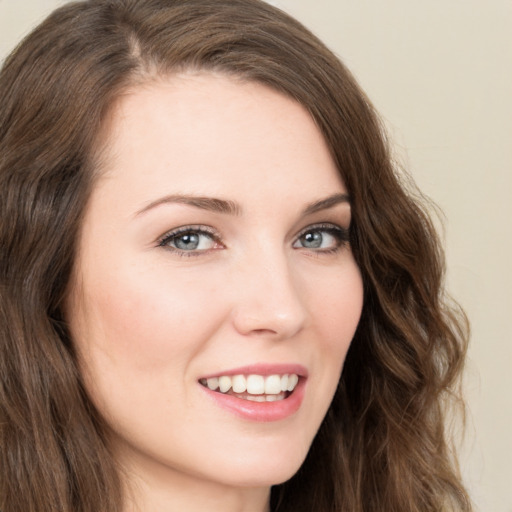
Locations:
column 204, row 203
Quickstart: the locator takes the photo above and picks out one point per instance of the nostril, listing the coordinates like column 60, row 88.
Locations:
column 263, row 331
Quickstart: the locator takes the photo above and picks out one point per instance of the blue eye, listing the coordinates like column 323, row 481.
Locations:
column 190, row 239
column 322, row 238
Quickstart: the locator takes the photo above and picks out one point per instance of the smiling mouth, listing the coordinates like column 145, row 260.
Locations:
column 255, row 388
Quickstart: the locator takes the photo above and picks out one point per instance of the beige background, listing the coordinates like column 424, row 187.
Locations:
column 440, row 72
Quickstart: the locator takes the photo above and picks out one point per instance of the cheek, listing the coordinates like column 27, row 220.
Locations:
column 337, row 310
column 337, row 307
column 139, row 321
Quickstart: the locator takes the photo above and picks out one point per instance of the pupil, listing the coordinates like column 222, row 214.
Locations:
column 188, row 241
column 312, row 239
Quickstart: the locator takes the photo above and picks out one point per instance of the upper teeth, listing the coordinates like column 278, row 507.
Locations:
column 253, row 384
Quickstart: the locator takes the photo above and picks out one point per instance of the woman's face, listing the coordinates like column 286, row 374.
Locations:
column 214, row 253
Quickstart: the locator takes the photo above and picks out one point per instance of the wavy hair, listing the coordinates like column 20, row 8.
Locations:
column 382, row 445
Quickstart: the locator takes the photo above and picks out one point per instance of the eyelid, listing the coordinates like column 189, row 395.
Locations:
column 326, row 226
column 341, row 233
column 194, row 228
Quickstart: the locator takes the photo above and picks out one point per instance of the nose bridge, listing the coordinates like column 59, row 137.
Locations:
column 268, row 299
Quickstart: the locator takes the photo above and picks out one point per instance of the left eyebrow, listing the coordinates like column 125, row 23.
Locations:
column 325, row 204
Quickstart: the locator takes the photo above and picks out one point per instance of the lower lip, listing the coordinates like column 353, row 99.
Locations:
column 260, row 411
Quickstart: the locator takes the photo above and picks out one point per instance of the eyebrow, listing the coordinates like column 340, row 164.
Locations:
column 325, row 204
column 228, row 207
column 204, row 203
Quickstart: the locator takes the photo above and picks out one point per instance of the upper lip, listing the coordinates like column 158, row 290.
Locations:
column 262, row 369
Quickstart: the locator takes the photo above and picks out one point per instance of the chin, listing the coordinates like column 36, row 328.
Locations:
column 264, row 470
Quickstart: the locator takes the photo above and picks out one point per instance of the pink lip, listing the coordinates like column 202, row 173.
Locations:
column 261, row 411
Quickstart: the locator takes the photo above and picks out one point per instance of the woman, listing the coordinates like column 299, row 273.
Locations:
column 216, row 293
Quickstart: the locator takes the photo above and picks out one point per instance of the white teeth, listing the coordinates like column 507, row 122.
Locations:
column 239, row 384
column 224, row 384
column 256, row 398
column 213, row 383
column 292, row 381
column 273, row 385
column 284, row 383
column 255, row 385
column 265, row 398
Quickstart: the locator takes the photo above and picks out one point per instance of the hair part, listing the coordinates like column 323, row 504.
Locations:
column 382, row 445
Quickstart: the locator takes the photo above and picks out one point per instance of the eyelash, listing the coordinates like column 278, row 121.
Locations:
column 196, row 230
column 341, row 235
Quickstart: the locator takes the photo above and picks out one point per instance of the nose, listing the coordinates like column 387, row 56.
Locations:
column 268, row 299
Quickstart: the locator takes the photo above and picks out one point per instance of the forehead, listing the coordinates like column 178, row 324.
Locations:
column 213, row 134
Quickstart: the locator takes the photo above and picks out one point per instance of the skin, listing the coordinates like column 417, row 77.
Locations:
column 149, row 320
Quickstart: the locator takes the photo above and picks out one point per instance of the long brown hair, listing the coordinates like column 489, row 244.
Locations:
column 382, row 445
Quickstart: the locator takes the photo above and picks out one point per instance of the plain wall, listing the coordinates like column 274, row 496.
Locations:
column 440, row 73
